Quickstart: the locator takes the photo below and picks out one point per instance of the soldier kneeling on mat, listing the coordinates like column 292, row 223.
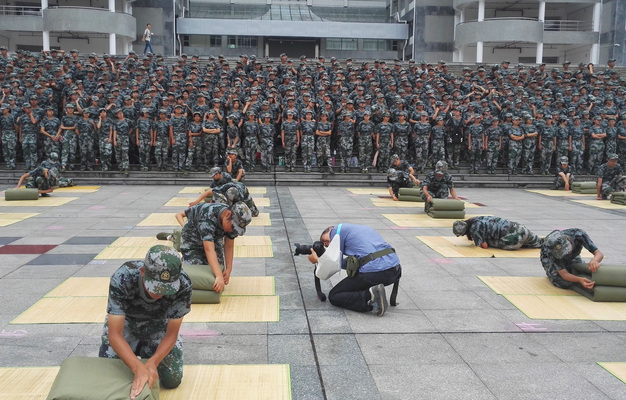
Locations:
column 438, row 184
column 400, row 175
column 564, row 175
column 44, row 178
column 610, row 178
column 147, row 302
column 561, row 249
column 496, row 232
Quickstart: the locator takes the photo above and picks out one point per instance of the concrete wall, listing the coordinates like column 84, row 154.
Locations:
column 433, row 35
column 160, row 14
column 88, row 20
column 21, row 23
column 499, row 31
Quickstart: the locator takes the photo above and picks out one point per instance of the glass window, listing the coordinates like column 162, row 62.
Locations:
column 231, row 42
column 341, row 44
column 215, row 41
column 375, row 44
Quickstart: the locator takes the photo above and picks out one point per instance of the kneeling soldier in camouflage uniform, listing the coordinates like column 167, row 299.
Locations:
column 496, row 232
column 610, row 178
column 438, row 184
column 564, row 176
column 207, row 238
column 560, row 250
column 147, row 302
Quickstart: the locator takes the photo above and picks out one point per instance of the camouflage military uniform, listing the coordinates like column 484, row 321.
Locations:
column 250, row 143
column 547, row 148
column 500, row 233
column 9, row 139
column 420, row 141
column 454, row 139
column 577, row 134
column 146, row 320
column 366, row 144
column 437, row 188
column 87, row 141
column 203, row 224
column 162, row 129
column 345, row 130
column 475, row 131
column 562, row 142
column 51, row 126
column 596, row 150
column 212, row 144
column 554, row 256
column 610, row 141
column 384, row 131
column 122, row 130
column 612, row 179
column 70, row 141
column 145, row 141
column 621, row 143
column 290, row 129
column 515, row 149
column 30, row 132
column 308, row 142
column 323, row 145
column 179, row 147
column 233, row 192
column 438, row 136
column 267, row 133
column 401, row 134
column 559, row 183
column 195, row 153
column 493, row 135
column 106, row 148
column 530, row 147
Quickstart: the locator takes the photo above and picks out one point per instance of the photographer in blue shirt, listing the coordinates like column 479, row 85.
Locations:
column 371, row 264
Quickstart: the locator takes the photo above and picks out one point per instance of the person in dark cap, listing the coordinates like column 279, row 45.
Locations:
column 147, row 302
column 561, row 249
column 564, row 175
column 610, row 178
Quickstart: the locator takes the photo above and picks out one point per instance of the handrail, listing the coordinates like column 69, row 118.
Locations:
column 89, row 8
column 567, row 25
column 499, row 19
column 20, row 10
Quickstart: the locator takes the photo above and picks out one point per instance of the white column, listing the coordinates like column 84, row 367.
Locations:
column 45, row 34
column 479, row 45
column 267, row 49
column 479, row 52
column 481, row 10
column 112, row 36
column 317, row 50
column 541, row 16
column 595, row 48
column 461, row 48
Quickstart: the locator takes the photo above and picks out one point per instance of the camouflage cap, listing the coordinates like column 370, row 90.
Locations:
column 54, row 156
column 564, row 160
column 232, row 195
column 441, row 167
column 162, row 267
column 612, row 156
column 214, row 171
column 459, row 228
column 242, row 216
column 392, row 174
column 558, row 244
column 394, row 158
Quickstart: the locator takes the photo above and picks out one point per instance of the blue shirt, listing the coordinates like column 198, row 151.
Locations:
column 361, row 240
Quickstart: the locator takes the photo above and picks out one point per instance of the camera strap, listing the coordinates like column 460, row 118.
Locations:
column 372, row 256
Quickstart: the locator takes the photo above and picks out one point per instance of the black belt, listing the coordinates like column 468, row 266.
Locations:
column 372, row 256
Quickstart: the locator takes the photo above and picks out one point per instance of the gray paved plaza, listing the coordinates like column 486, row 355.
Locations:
column 450, row 337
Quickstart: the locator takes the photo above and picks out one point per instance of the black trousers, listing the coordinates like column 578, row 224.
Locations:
column 353, row 293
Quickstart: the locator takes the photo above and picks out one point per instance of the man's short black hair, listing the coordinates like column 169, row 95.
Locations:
column 327, row 230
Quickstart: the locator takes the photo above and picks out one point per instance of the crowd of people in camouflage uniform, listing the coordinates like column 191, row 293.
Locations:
column 138, row 110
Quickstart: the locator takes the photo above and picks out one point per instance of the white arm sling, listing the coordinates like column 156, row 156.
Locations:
column 330, row 262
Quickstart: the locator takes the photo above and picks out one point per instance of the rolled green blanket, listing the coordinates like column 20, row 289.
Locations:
column 606, row 275
column 96, row 378
column 176, row 239
column 601, row 293
column 205, row 297
column 576, row 184
column 201, row 276
column 409, row 191
column 406, row 197
column 446, row 214
column 586, row 185
column 21, row 194
column 619, row 194
column 585, row 191
column 447, row 205
column 618, row 201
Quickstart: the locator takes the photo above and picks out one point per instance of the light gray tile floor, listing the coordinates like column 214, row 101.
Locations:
column 450, row 337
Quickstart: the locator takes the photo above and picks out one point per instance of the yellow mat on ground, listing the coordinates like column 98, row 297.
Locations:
column 263, row 219
column 202, row 189
column 557, row 193
column 617, row 369
column 452, row 246
column 41, row 202
column 529, row 285
column 605, row 204
column 7, row 219
column 78, row 189
column 538, row 299
column 159, row 219
column 421, row 220
column 261, row 201
column 85, row 310
column 232, row 382
column 200, row 382
column 376, row 191
column 129, row 248
column 99, row 287
column 26, row 383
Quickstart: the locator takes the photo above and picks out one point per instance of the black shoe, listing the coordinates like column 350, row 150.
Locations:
column 379, row 299
column 162, row 235
column 44, row 195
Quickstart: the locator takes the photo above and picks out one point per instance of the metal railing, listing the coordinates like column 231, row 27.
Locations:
column 20, row 10
column 499, row 19
column 552, row 25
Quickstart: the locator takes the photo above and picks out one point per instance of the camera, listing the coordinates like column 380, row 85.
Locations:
column 305, row 249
